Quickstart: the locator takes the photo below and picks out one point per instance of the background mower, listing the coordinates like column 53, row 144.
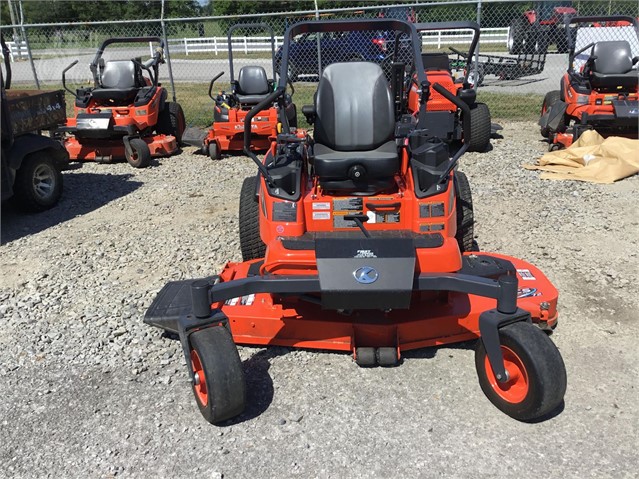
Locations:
column 443, row 117
column 249, row 89
column 351, row 242
column 600, row 89
column 126, row 113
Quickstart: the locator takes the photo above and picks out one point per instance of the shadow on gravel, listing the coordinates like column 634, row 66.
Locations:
column 259, row 384
column 83, row 193
column 430, row 353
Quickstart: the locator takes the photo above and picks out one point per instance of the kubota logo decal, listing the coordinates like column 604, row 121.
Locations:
column 366, row 275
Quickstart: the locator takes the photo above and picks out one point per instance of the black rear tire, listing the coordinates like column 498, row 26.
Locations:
column 171, row 121
column 538, row 385
column 38, row 183
column 465, row 216
column 550, row 99
column 140, row 156
column 221, row 393
column 480, row 127
column 251, row 242
column 516, row 34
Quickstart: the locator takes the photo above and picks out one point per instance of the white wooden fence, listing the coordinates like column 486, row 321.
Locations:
column 246, row 45
column 17, row 50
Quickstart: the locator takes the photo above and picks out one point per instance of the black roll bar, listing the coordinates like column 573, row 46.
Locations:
column 250, row 26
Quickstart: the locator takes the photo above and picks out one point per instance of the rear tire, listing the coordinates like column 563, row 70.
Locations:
column 550, row 99
column 465, row 216
column 171, row 121
column 140, row 156
column 537, row 374
column 219, row 388
column 38, row 183
column 516, row 34
column 251, row 242
column 480, row 127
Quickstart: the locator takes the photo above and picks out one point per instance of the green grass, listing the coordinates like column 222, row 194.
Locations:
column 198, row 107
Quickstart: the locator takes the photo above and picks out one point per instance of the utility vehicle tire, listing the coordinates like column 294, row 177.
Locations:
column 251, row 242
column 213, row 151
column 38, row 183
column 550, row 99
column 141, row 155
column 219, row 387
column 465, row 216
column 365, row 357
column 516, row 34
column 479, row 127
column 171, row 121
column 537, row 375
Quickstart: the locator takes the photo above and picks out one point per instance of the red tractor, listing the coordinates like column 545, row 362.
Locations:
column 535, row 29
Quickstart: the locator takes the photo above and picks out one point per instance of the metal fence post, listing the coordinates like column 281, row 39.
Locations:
column 26, row 41
column 319, row 49
column 476, row 62
column 168, row 52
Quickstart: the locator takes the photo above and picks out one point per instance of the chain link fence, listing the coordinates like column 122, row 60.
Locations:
column 521, row 55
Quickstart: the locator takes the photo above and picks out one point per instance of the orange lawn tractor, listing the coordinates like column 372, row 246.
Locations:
column 360, row 240
column 251, row 86
column 126, row 113
column 600, row 89
column 444, row 117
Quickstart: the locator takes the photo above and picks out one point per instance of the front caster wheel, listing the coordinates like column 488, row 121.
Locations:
column 536, row 373
column 387, row 356
column 219, row 386
column 140, row 155
column 365, row 357
column 214, row 151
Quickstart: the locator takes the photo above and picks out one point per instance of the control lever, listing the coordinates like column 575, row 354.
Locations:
column 359, row 220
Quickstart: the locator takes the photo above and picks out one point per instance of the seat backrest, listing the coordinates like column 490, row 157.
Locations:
column 119, row 74
column 435, row 61
column 354, row 107
column 611, row 57
column 252, row 80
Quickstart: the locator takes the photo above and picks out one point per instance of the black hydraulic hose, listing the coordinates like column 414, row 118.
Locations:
column 279, row 91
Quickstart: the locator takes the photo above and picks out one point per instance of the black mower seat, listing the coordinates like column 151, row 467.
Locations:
column 252, row 85
column 355, row 150
column 118, row 81
column 436, row 62
column 611, row 65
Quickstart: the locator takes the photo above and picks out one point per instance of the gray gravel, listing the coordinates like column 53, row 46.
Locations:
column 89, row 391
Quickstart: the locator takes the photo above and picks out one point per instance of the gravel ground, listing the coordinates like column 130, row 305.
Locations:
column 89, row 391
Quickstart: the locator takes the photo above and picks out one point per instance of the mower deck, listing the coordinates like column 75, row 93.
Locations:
column 434, row 318
column 108, row 150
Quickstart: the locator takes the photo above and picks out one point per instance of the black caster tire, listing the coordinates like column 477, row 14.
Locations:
column 140, row 157
column 365, row 357
column 536, row 370
column 213, row 151
column 219, row 386
column 387, row 356
column 38, row 183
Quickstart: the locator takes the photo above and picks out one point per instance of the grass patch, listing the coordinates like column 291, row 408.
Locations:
column 198, row 107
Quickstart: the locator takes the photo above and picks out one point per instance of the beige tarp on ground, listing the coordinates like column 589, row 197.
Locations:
column 591, row 158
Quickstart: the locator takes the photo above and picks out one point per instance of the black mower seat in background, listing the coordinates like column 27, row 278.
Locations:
column 436, row 62
column 118, row 81
column 252, row 85
column 354, row 142
column 611, row 65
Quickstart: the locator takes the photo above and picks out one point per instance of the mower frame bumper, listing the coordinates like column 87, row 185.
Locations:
column 190, row 303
